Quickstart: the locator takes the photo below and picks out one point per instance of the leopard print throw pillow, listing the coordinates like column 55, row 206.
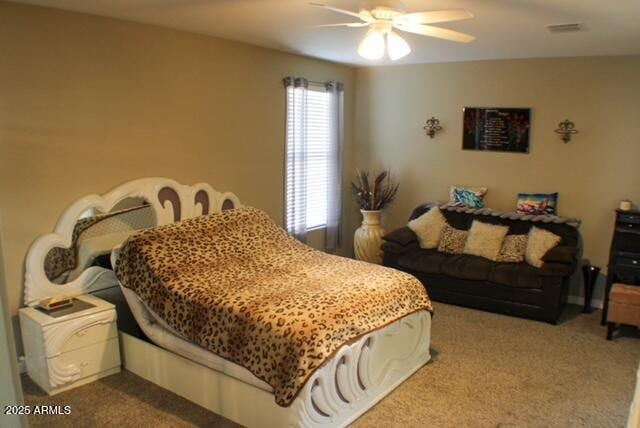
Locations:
column 513, row 249
column 452, row 240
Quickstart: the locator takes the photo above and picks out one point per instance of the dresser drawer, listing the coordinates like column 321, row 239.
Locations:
column 88, row 336
column 628, row 227
column 629, row 218
column 91, row 359
column 628, row 261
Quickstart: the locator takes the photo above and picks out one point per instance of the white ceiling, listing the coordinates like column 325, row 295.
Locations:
column 504, row 28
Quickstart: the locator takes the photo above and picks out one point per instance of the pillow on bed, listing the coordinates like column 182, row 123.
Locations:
column 92, row 237
column 428, row 227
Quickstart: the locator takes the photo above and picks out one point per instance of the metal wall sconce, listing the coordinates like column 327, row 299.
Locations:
column 566, row 130
column 433, row 126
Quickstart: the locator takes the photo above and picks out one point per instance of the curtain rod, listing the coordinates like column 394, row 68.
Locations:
column 315, row 82
column 312, row 82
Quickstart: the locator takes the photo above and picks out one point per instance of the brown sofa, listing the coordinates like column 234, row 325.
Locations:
column 515, row 289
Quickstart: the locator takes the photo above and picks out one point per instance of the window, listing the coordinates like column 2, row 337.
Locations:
column 318, row 155
column 313, row 158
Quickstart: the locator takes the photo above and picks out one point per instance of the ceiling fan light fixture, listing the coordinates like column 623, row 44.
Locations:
column 397, row 46
column 383, row 16
column 372, row 46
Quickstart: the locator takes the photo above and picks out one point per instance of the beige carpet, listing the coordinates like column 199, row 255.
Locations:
column 488, row 370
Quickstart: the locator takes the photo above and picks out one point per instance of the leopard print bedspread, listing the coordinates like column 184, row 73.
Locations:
column 59, row 261
column 238, row 285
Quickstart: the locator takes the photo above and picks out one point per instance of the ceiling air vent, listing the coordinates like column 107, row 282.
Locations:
column 564, row 28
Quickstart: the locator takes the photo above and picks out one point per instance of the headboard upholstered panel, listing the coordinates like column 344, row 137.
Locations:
column 170, row 201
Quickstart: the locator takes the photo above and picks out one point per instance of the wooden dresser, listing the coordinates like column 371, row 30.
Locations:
column 624, row 258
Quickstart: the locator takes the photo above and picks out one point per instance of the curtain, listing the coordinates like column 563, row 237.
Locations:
column 296, row 157
column 334, row 174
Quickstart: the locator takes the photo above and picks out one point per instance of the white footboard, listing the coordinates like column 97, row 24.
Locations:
column 350, row 383
column 364, row 372
column 357, row 377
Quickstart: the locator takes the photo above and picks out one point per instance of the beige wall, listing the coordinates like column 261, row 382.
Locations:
column 87, row 103
column 592, row 173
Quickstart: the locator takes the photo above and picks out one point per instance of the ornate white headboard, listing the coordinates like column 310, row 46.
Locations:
column 170, row 201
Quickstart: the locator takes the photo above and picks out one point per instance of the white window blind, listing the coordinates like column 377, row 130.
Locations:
column 309, row 121
column 318, row 156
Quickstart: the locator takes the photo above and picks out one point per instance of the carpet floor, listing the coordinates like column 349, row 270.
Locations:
column 487, row 370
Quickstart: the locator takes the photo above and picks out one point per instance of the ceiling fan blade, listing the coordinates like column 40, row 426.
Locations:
column 435, row 16
column 437, row 32
column 344, row 24
column 335, row 9
column 366, row 16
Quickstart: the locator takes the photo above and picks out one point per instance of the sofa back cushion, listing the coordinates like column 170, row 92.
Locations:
column 461, row 220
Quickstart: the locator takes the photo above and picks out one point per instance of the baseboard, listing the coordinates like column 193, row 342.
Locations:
column 579, row 300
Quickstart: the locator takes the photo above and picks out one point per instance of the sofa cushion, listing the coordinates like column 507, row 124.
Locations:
column 558, row 269
column 420, row 260
column 519, row 275
column 392, row 247
column 467, row 267
column 401, row 236
column 561, row 254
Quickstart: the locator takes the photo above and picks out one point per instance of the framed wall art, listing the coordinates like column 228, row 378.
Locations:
column 496, row 129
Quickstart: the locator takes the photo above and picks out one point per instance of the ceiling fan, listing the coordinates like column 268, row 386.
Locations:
column 387, row 15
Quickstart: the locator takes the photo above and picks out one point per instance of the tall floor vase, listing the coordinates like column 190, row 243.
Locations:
column 368, row 238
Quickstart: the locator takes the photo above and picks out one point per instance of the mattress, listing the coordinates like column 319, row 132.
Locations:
column 165, row 337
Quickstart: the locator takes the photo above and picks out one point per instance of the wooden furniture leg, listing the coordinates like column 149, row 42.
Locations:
column 607, row 290
column 611, row 326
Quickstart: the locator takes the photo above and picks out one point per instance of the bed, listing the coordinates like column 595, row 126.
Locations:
column 362, row 359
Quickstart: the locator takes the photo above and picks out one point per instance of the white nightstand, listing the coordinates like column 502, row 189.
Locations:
column 71, row 346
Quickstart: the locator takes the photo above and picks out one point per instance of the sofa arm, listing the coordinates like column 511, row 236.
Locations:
column 394, row 248
column 564, row 254
column 564, row 270
column 402, row 236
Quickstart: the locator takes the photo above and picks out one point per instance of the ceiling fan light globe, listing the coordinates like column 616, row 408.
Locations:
column 397, row 46
column 372, row 46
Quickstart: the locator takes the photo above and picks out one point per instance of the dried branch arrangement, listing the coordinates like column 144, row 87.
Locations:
column 376, row 195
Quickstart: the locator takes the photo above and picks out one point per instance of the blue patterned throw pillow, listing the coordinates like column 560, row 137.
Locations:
column 537, row 203
column 468, row 196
